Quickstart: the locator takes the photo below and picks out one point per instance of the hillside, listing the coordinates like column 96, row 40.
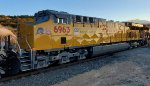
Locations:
column 140, row 21
column 13, row 20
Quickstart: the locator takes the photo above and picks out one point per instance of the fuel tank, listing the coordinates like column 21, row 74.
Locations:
column 104, row 49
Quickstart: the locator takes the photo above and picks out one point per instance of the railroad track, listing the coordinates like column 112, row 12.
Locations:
column 52, row 68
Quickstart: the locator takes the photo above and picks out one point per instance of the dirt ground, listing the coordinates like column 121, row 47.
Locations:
column 132, row 68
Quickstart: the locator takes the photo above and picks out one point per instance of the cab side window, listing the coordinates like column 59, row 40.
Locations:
column 41, row 17
column 60, row 20
column 65, row 20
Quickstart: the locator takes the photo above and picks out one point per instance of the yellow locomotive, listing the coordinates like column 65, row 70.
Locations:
column 62, row 37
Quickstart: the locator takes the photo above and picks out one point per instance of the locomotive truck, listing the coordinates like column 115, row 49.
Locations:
column 60, row 37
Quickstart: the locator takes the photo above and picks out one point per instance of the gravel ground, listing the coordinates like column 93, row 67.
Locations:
column 127, row 68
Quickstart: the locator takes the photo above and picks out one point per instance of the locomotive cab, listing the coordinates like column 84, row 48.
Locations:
column 42, row 41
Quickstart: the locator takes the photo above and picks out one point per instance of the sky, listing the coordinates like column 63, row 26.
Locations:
column 118, row 10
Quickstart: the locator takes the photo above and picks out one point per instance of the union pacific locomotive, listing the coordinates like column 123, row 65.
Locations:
column 60, row 37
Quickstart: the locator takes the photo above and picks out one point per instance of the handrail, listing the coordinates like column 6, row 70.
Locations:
column 30, row 50
column 18, row 46
column 28, row 43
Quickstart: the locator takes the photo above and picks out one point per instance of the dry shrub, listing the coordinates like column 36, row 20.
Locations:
column 6, row 31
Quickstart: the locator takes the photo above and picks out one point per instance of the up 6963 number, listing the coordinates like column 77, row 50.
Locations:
column 61, row 29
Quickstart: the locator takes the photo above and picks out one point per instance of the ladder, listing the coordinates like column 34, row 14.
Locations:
column 26, row 58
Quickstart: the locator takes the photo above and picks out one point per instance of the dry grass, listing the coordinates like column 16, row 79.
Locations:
column 6, row 31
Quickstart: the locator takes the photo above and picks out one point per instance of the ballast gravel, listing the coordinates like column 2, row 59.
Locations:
column 126, row 68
